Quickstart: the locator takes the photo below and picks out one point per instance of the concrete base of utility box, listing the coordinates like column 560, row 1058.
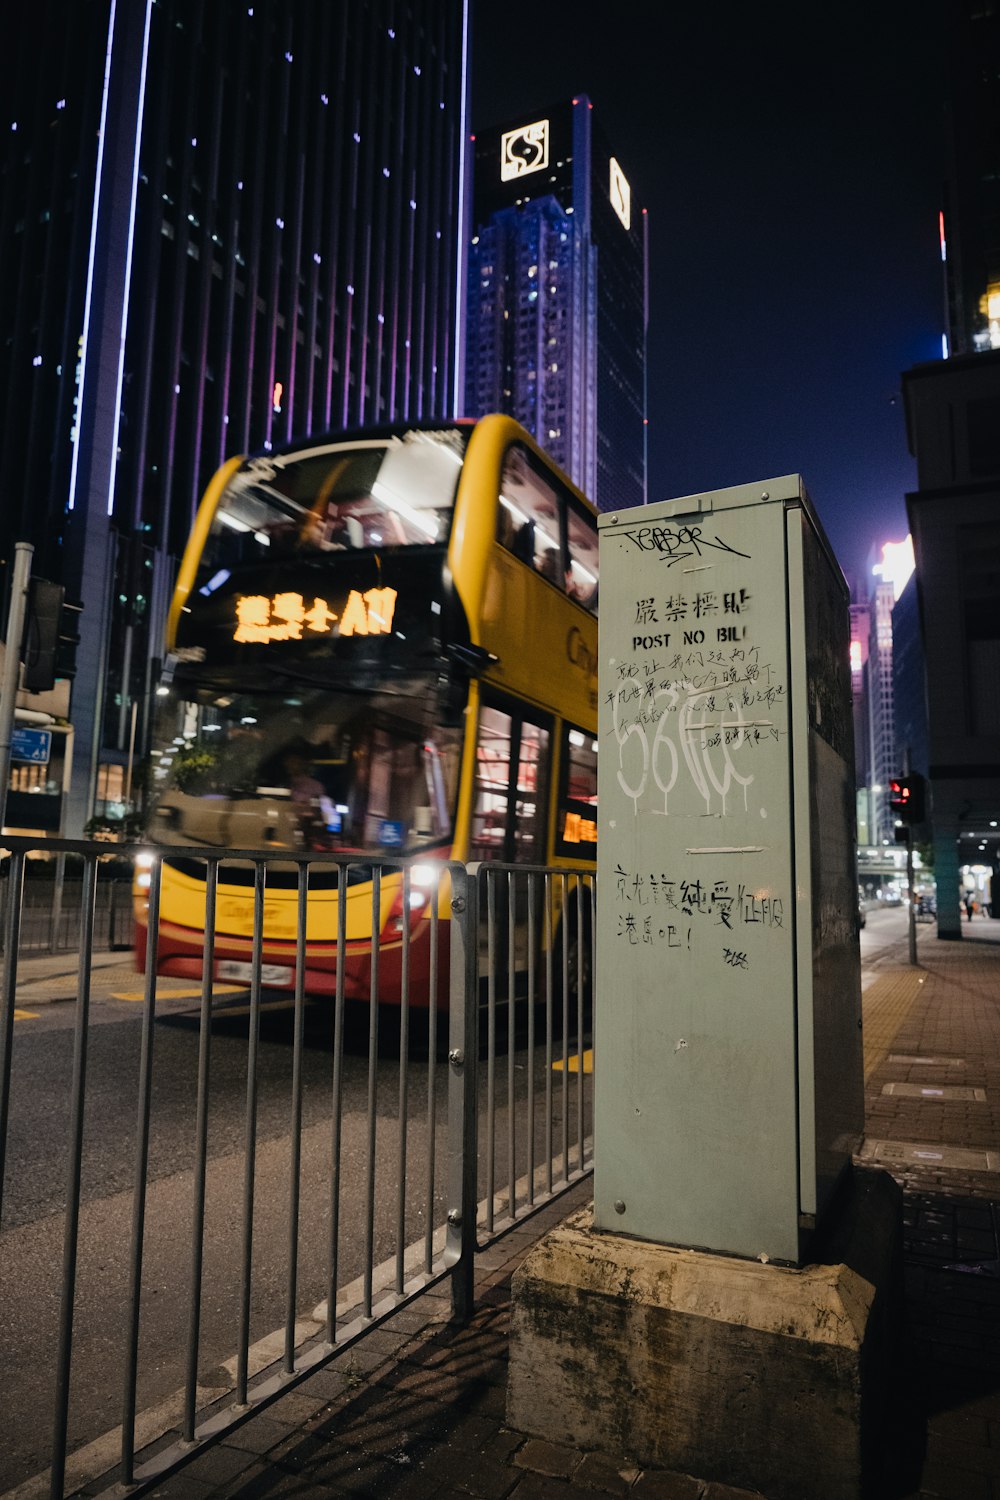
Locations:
column 756, row 1375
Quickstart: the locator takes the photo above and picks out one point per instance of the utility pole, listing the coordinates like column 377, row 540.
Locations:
column 16, row 615
column 912, row 902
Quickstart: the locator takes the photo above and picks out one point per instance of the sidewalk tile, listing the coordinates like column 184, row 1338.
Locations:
column 654, row 1484
column 550, row 1459
column 599, row 1472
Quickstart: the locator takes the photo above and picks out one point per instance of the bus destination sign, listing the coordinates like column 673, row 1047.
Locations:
column 286, row 616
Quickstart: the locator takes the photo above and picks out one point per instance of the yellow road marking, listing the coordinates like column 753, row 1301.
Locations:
column 161, row 994
column 229, row 1011
column 885, row 1005
column 25, row 1015
column 573, row 1062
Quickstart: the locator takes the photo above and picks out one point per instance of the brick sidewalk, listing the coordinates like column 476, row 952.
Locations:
column 417, row 1409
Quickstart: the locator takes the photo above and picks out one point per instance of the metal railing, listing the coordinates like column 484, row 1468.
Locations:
column 412, row 1134
column 52, row 904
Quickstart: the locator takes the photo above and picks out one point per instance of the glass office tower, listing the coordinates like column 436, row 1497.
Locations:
column 557, row 301
column 222, row 225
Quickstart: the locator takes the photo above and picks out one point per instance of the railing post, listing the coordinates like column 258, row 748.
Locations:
column 57, row 901
column 463, row 1062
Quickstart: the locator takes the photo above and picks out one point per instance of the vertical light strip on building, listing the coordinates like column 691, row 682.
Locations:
column 95, row 219
column 458, row 367
column 128, row 258
column 91, row 257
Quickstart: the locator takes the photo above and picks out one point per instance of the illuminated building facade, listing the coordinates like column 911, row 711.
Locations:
column 557, row 298
column 882, row 761
column 860, row 633
column 224, row 225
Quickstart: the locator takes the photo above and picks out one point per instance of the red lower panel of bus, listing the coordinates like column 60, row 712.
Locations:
column 180, row 954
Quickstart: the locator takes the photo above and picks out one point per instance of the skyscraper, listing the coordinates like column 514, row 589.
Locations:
column 953, row 429
column 970, row 219
column 223, row 225
column 881, row 720
column 557, row 303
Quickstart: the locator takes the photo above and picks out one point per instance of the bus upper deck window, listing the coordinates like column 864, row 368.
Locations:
column 530, row 520
column 582, row 537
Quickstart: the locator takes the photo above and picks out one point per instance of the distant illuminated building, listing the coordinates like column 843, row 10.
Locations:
column 557, row 297
column 860, row 632
column 881, row 720
column 256, row 231
column 878, row 756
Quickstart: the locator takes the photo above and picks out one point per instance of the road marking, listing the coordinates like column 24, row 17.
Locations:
column 573, row 1063
column 961, row 1158
column 885, row 1006
column 226, row 1011
column 942, row 1091
column 25, row 1015
column 217, row 989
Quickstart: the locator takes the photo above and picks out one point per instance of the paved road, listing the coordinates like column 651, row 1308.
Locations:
column 884, row 939
column 35, row 1190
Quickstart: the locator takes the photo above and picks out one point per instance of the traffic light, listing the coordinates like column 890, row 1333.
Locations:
column 50, row 636
column 41, row 634
column 69, row 638
column 906, row 798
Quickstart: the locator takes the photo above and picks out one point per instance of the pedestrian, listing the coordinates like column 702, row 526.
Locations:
column 970, row 905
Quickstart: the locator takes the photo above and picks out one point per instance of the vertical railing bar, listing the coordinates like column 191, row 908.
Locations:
column 201, row 1148
column 548, row 1031
column 593, row 994
column 139, row 1181
column 372, row 1090
column 432, row 1020
column 491, row 1043
column 463, row 1115
column 404, row 1099
column 579, row 1021
column 511, row 1041
column 532, row 888
column 564, row 924
column 295, row 1162
column 88, row 898
column 12, row 941
column 249, row 1166
column 337, row 1104
column 57, row 901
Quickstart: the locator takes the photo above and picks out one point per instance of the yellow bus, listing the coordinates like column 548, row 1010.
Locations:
column 382, row 644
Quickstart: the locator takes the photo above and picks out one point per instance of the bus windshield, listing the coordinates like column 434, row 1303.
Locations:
column 371, row 773
column 364, row 496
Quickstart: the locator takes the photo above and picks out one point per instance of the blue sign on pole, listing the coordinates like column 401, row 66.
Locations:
column 33, row 745
column 390, row 834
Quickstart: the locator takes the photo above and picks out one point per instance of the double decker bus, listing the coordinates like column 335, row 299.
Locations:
column 382, row 644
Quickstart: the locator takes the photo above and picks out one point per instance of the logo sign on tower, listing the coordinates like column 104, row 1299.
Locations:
column 621, row 194
column 524, row 150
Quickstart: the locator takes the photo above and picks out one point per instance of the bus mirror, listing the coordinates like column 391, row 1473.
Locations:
column 474, row 660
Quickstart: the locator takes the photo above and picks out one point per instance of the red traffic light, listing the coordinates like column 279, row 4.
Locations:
column 899, row 796
column 906, row 798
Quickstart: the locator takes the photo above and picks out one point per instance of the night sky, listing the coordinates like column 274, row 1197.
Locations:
column 793, row 180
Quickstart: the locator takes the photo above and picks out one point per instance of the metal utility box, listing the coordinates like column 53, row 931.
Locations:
column 729, row 1087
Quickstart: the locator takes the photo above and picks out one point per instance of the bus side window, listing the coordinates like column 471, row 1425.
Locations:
column 581, row 581
column 531, row 790
column 530, row 520
column 576, row 814
column 512, row 777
